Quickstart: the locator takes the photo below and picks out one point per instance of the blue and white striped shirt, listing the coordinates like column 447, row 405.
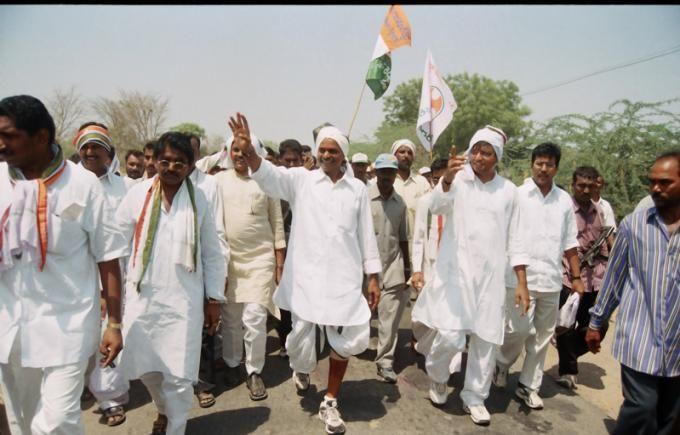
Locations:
column 643, row 276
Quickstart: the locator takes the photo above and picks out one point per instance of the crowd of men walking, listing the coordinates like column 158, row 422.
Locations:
column 173, row 269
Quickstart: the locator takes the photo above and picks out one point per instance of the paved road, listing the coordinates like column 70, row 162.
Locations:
column 371, row 406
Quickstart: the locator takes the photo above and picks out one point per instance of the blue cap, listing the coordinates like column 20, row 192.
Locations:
column 386, row 161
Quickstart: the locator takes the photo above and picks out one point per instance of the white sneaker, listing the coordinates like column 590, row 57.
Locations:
column 438, row 393
column 478, row 413
column 330, row 415
column 567, row 381
column 530, row 397
column 500, row 377
column 301, row 381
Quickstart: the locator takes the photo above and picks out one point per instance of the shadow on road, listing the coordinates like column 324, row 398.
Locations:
column 240, row 421
column 589, row 375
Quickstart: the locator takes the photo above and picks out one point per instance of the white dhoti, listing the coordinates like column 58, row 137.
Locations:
column 344, row 340
column 173, row 397
column 442, row 348
column 244, row 324
column 390, row 309
column 531, row 332
column 42, row 400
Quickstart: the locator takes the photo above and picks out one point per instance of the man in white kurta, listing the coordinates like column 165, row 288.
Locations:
column 48, row 274
column 170, row 277
column 97, row 155
column 254, row 230
column 548, row 226
column 332, row 244
column 467, row 292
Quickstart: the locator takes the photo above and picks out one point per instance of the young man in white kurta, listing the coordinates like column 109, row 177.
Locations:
column 43, row 363
column 467, row 292
column 332, row 244
column 254, row 229
column 163, row 317
column 548, row 226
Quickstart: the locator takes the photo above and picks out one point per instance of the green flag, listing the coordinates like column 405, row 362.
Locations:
column 378, row 75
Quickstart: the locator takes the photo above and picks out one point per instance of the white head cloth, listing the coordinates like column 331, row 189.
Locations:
column 334, row 133
column 226, row 162
column 491, row 135
column 403, row 142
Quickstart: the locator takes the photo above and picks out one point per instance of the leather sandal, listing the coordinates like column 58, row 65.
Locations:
column 206, row 399
column 160, row 425
column 114, row 415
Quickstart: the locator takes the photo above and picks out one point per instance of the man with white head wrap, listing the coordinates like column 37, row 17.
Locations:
column 254, row 231
column 332, row 245
column 467, row 292
column 411, row 186
column 97, row 154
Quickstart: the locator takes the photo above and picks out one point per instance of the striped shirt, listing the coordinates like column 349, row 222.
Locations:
column 643, row 277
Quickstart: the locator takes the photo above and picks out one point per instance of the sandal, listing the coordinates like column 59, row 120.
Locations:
column 206, row 399
column 160, row 425
column 114, row 416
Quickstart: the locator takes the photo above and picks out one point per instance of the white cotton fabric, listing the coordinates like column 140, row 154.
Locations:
column 567, row 314
column 467, row 291
column 37, row 305
column 403, row 142
column 244, row 325
column 19, row 233
column 208, row 184
column 332, row 244
column 493, row 138
column 162, row 323
column 330, row 132
column 173, row 398
column 609, row 216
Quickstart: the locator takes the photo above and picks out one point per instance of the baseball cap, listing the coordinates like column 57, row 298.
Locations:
column 360, row 158
column 386, row 161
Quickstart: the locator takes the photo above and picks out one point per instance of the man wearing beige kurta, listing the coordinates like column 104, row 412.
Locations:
column 254, row 230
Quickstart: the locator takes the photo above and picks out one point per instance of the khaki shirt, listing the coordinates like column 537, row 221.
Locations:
column 389, row 223
column 411, row 190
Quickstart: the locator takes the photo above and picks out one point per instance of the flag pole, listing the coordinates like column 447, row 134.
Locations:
column 356, row 111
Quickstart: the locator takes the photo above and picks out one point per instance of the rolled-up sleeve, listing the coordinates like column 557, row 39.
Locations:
column 419, row 234
column 276, row 222
column 570, row 232
column 368, row 243
column 517, row 250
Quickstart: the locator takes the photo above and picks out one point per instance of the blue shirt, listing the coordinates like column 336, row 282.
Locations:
column 643, row 277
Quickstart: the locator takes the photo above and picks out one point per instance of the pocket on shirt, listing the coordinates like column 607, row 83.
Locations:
column 65, row 232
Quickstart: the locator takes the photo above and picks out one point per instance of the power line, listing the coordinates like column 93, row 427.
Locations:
column 612, row 68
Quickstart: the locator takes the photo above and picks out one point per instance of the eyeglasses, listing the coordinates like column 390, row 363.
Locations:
column 177, row 166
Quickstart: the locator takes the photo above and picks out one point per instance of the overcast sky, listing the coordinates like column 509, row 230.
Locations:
column 291, row 68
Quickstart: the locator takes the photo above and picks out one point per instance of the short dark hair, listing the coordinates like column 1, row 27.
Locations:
column 75, row 158
column 28, row 114
column 585, row 172
column 136, row 153
column 177, row 141
column 89, row 123
column 672, row 154
column 439, row 164
column 306, row 149
column 547, row 149
column 198, row 139
column 151, row 145
column 290, row 145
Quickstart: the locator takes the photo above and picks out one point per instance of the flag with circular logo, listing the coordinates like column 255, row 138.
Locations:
column 436, row 105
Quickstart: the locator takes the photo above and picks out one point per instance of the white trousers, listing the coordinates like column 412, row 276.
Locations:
column 531, row 332
column 344, row 340
column 479, row 368
column 173, row 397
column 244, row 324
column 390, row 310
column 42, row 400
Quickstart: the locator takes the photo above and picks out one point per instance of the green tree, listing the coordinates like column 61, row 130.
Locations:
column 481, row 101
column 621, row 144
column 190, row 128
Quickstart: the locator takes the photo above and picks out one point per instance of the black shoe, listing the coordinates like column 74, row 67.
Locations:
column 256, row 387
column 232, row 377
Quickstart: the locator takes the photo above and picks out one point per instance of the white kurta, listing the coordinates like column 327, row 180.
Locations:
column 414, row 187
column 467, row 292
column 208, row 184
column 425, row 237
column 56, row 311
column 332, row 244
column 162, row 323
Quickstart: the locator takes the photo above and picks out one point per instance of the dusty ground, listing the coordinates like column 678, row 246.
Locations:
column 369, row 405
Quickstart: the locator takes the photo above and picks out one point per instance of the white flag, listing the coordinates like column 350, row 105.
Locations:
column 436, row 105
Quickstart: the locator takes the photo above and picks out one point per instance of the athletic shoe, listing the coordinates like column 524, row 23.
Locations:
column 330, row 415
column 388, row 375
column 256, row 387
column 500, row 377
column 301, row 381
column 478, row 414
column 438, row 393
column 567, row 381
column 529, row 396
